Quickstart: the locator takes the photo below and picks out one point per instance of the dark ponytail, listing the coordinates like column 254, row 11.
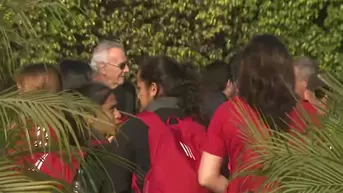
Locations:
column 176, row 80
column 190, row 99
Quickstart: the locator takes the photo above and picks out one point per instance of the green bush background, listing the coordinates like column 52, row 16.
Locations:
column 195, row 30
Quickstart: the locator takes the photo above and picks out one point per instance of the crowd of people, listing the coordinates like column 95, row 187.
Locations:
column 262, row 78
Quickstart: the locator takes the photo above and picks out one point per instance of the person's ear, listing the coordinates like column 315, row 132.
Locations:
column 101, row 67
column 153, row 89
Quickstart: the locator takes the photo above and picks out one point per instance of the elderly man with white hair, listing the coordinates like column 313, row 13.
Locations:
column 308, row 84
column 109, row 65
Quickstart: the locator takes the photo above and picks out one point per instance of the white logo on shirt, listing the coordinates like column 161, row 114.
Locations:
column 40, row 161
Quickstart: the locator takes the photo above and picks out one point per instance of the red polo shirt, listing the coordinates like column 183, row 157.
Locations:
column 225, row 138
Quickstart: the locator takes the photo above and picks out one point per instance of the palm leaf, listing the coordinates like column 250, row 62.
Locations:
column 14, row 179
column 310, row 162
column 47, row 111
column 17, row 31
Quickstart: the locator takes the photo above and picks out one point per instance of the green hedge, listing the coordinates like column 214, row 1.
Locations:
column 196, row 30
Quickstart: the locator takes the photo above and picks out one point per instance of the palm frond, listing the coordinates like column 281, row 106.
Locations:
column 17, row 30
column 13, row 178
column 302, row 162
column 47, row 110
column 44, row 109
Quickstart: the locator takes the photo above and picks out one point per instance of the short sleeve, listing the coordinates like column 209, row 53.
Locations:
column 215, row 143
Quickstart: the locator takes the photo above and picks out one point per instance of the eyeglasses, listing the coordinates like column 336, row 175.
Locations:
column 120, row 65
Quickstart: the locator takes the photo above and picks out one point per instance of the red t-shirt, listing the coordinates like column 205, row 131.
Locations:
column 50, row 163
column 225, row 138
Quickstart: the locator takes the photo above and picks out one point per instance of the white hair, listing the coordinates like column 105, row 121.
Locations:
column 307, row 66
column 100, row 53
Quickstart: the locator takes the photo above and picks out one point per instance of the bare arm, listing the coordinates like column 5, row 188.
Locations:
column 209, row 173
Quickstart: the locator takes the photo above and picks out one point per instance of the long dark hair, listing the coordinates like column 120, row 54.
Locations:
column 96, row 92
column 174, row 80
column 266, row 80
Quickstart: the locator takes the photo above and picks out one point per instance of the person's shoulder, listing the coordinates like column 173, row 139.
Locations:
column 132, row 124
column 309, row 107
column 233, row 111
column 132, row 131
column 304, row 107
column 304, row 114
column 231, row 104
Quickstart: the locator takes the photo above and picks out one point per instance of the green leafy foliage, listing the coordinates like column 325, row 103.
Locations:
column 19, row 30
column 27, row 120
column 194, row 30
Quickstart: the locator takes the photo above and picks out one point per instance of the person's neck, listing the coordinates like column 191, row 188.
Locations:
column 300, row 94
column 102, row 79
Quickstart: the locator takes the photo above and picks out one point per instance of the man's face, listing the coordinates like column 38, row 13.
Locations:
column 115, row 70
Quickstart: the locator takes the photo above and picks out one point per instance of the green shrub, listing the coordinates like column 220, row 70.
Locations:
column 196, row 30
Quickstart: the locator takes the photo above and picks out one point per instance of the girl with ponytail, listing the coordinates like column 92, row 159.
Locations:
column 166, row 88
column 161, row 77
